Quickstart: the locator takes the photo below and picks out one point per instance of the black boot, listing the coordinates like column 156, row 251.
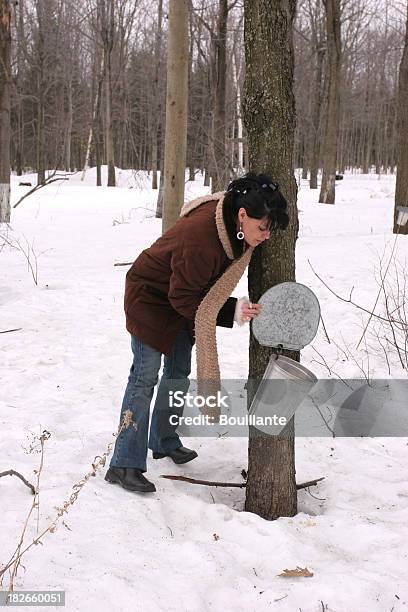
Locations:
column 131, row 479
column 180, row 455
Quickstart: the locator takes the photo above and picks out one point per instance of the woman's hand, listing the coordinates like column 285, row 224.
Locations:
column 245, row 311
column 249, row 311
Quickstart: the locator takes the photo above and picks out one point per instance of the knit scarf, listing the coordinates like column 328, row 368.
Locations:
column 208, row 370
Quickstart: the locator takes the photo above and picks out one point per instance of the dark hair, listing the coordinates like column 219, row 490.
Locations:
column 261, row 197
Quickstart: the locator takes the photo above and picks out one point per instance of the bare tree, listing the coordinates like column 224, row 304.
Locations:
column 269, row 116
column 95, row 120
column 156, row 99
column 236, row 74
column 41, row 91
column 401, row 191
column 107, row 17
column 333, row 29
column 219, row 156
column 5, row 85
column 176, row 112
column 319, row 51
column 60, row 92
column 19, row 138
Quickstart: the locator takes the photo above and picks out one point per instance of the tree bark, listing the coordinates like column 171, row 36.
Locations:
column 220, row 165
column 40, row 97
column 20, row 115
column 176, row 112
column 159, row 205
column 156, row 94
column 97, row 133
column 5, row 85
column 401, row 191
column 191, row 135
column 93, row 135
column 240, row 133
column 269, row 117
column 317, row 103
column 68, row 130
column 333, row 28
column 108, row 32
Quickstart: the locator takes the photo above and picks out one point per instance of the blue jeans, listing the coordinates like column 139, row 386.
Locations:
column 131, row 444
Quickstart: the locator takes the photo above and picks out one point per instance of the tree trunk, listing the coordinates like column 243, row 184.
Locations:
column 98, row 147
column 156, row 94
column 401, row 191
column 40, row 134
column 220, row 170
column 176, row 112
column 317, row 104
column 269, row 117
column 95, row 120
column 240, row 134
column 107, row 8
column 40, row 98
column 206, row 177
column 191, row 136
column 20, row 115
column 333, row 28
column 5, row 84
column 110, row 157
column 68, row 131
column 159, row 205
column 97, row 132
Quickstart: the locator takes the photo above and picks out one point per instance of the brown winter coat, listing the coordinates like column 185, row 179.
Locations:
column 167, row 282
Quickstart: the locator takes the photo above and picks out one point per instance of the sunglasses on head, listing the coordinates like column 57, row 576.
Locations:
column 274, row 186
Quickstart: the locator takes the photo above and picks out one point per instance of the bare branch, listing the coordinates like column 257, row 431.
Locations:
column 14, row 473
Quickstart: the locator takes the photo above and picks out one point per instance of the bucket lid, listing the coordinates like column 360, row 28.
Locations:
column 289, row 317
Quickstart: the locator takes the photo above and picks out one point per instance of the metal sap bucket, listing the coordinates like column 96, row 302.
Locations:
column 284, row 386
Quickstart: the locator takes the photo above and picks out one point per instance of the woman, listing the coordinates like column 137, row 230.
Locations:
column 176, row 292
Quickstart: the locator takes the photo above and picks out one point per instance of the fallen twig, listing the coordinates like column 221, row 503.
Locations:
column 240, row 485
column 14, row 473
column 209, row 483
column 7, row 331
column 310, row 483
column 126, row 263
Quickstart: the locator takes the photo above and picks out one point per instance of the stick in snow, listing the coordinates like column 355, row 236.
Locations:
column 240, row 485
column 14, row 473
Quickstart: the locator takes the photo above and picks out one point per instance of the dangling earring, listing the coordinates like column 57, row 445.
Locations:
column 240, row 234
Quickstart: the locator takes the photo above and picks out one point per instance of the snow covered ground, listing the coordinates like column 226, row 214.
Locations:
column 65, row 372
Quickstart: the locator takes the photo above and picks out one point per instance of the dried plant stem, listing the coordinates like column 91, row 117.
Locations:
column 28, row 252
column 349, row 300
column 381, row 288
column 98, row 462
column 35, row 504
